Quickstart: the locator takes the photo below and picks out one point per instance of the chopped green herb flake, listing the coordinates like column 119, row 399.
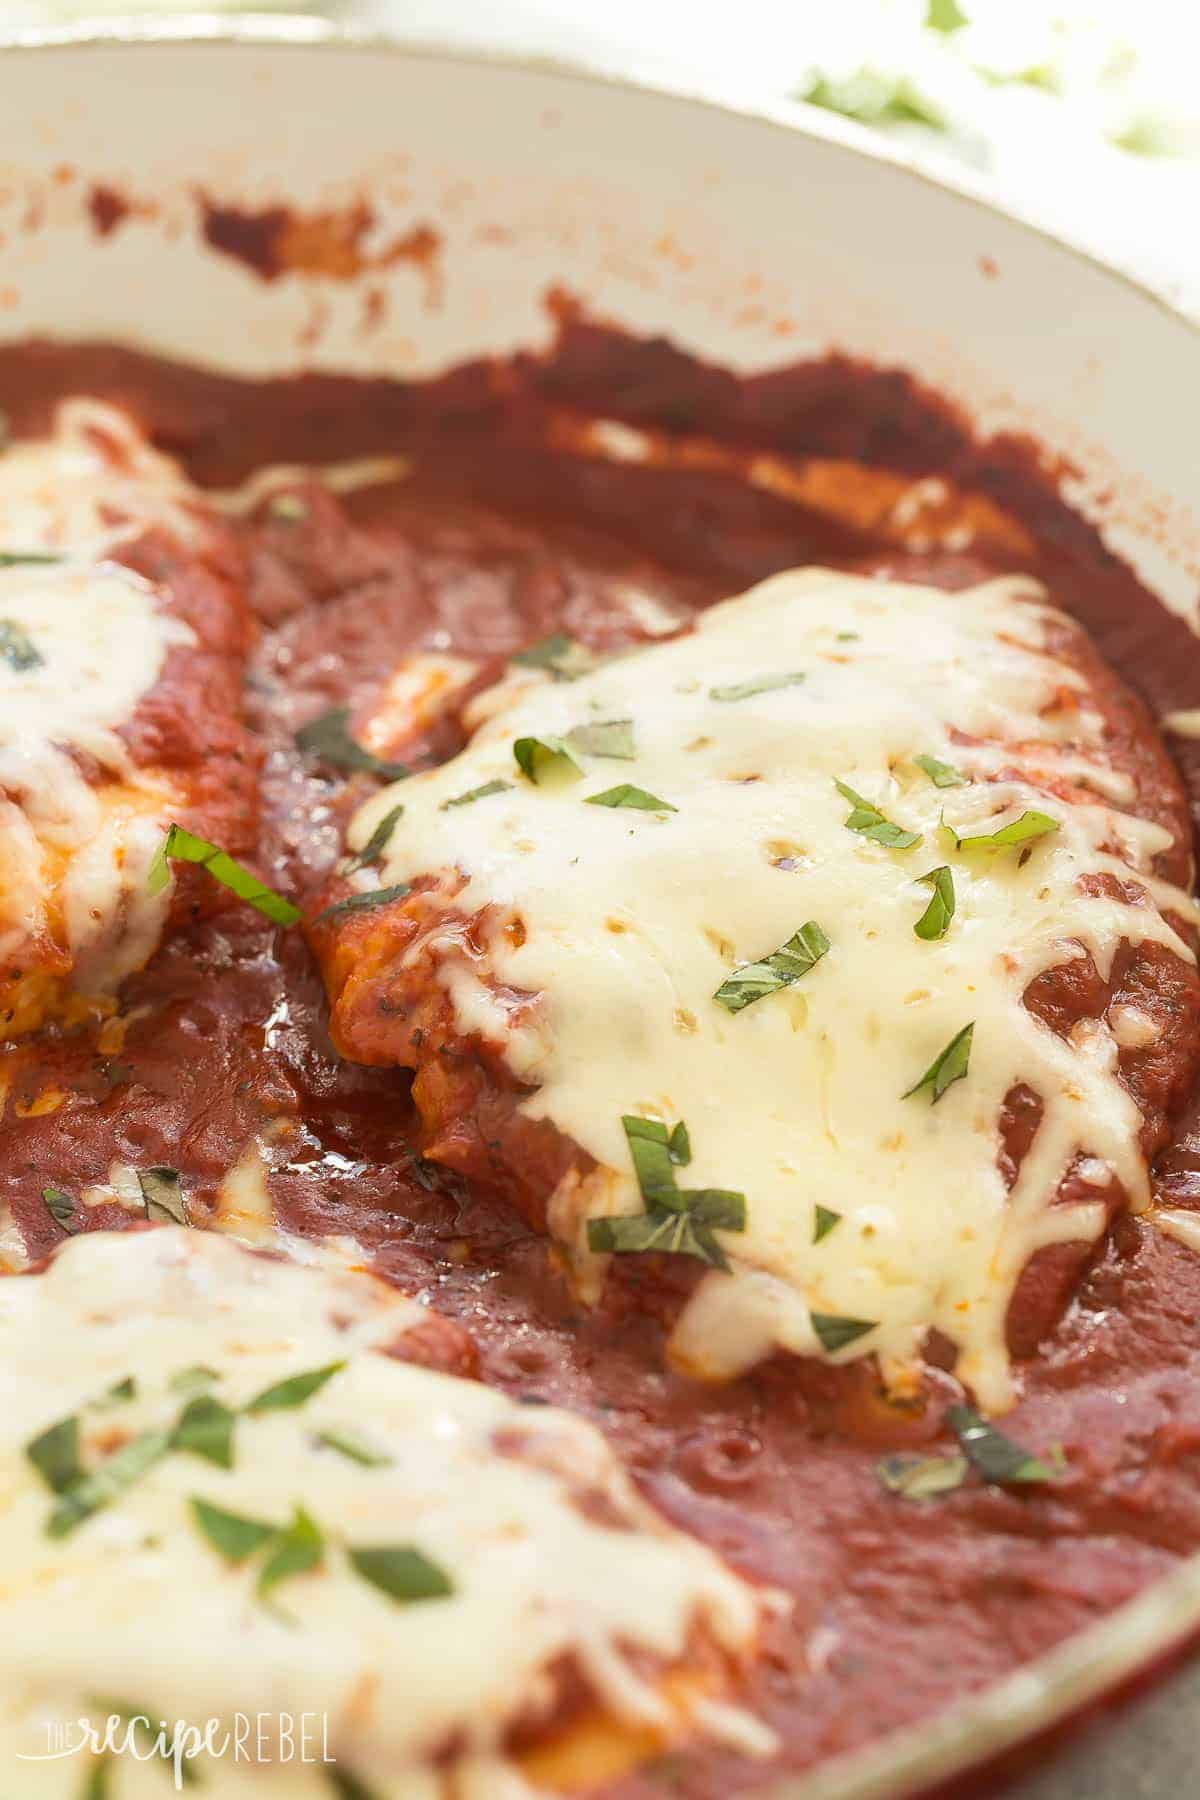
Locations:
column 679, row 1145
column 753, row 981
column 947, row 1068
column 625, row 794
column 671, row 1232
column 106, row 1483
column 847, row 637
column 542, row 759
column 15, row 559
column 867, row 820
column 934, row 922
column 297, row 1549
column 366, row 902
column 54, row 1453
column 234, row 1536
column 401, row 1572
column 18, row 649
column 119, row 1394
column 612, row 738
column 327, row 739
column 182, row 846
column 354, row 1446
column 875, row 99
column 758, row 684
column 1024, row 830
column 834, row 1332
column 922, row 1477
column 376, row 844
column 196, row 1375
column 942, row 774
column 650, row 1147
column 61, row 1207
column 97, row 1783
column 995, row 1456
column 473, row 794
column 824, row 1220
column 163, row 1195
column 945, row 16
column 283, row 1395
column 205, row 1428
column 559, row 655
column 346, row 1785
column 677, row 1220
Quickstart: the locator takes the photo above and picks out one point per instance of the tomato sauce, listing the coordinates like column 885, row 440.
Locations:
column 496, row 537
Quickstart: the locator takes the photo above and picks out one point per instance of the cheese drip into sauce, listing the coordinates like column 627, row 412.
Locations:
column 633, row 919
column 84, row 639
column 549, row 1551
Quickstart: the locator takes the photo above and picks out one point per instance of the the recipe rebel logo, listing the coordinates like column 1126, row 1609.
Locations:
column 260, row 1738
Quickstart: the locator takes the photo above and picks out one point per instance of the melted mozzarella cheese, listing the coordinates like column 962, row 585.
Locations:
column 78, row 824
column 549, row 1550
column 634, row 918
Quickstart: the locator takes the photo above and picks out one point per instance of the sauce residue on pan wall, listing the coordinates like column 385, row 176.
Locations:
column 521, row 515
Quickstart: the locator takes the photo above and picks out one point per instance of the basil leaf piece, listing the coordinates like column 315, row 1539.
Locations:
column 625, row 794
column 352, row 1445
column 753, row 981
column 934, row 922
column 719, row 1208
column 402, row 1573
column 366, row 902
column 824, row 1220
column 677, row 1220
column 298, row 1548
column 183, row 846
column 996, row 1457
column 942, row 774
column 327, row 739
column 946, row 1068
column 232, row 1535
column 650, row 1147
column 119, row 1394
column 15, row 559
column 196, row 1375
column 375, row 845
column 671, row 1232
column 542, row 758
column 61, row 1207
column 869, row 822
column 1030, row 825
column 679, row 1145
column 559, row 655
column 108, row 1482
column 347, row 1786
column 758, row 684
column 282, row 1396
column 18, row 649
column 473, row 794
column 922, row 1477
column 611, row 738
column 163, row 1195
column 54, row 1453
column 205, row 1428
column 835, row 1332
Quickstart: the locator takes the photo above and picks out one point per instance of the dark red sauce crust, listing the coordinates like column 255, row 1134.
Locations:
column 493, row 542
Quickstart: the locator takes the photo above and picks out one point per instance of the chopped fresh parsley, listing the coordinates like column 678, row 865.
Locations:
column 946, row 1068
column 922, row 1477
column 757, row 684
column 550, row 758
column 867, row 820
column 934, row 922
column 835, row 1332
column 366, row 902
column 995, row 1456
column 163, row 1195
column 942, row 774
column 205, row 1428
column 753, row 981
column 402, row 1573
column 1024, row 830
column 824, row 1220
column 327, row 739
column 18, row 649
column 61, row 1207
column 478, row 793
column 282, row 1396
column 182, row 846
column 678, row 1220
column 625, row 794
column 376, row 844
